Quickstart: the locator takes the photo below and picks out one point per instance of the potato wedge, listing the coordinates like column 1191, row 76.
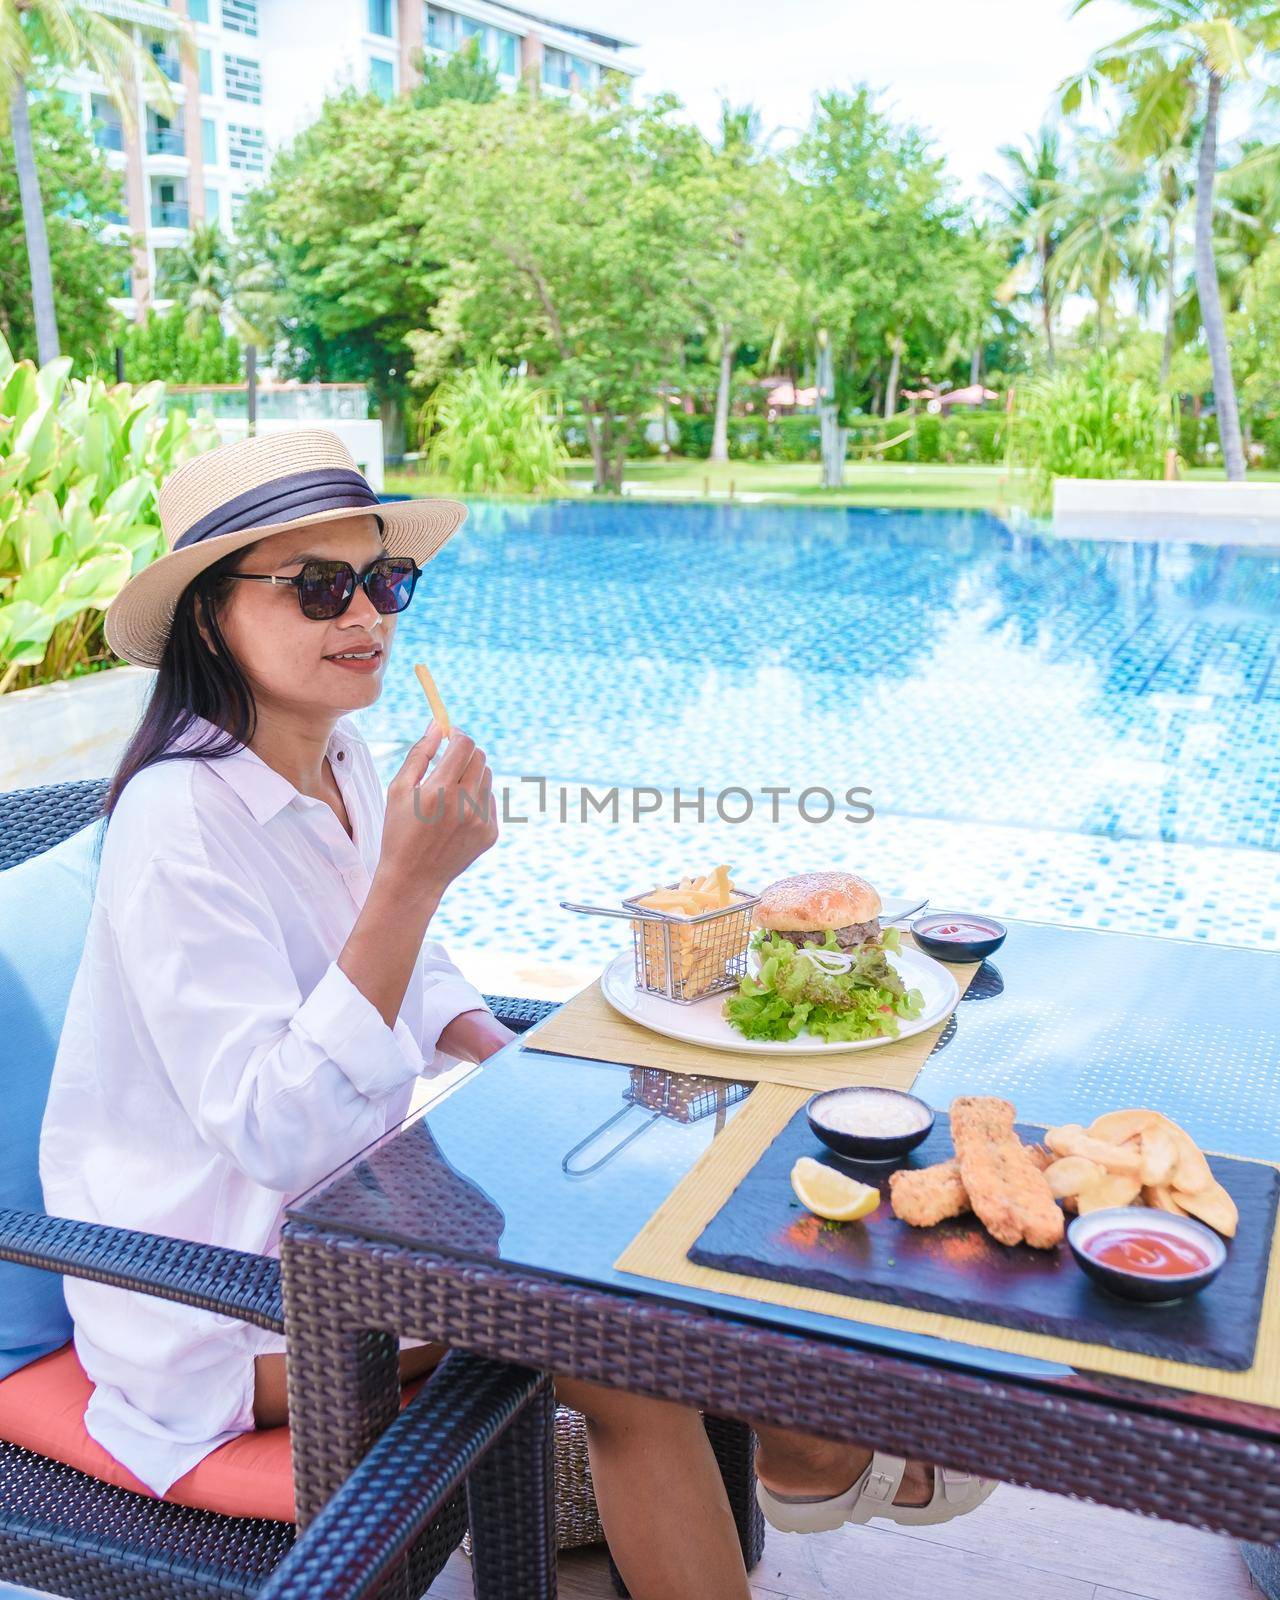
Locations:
column 1159, row 1154
column 1111, row 1189
column 1160, row 1197
column 1213, row 1206
column 1069, row 1174
column 1117, row 1126
column 1191, row 1172
column 1072, row 1140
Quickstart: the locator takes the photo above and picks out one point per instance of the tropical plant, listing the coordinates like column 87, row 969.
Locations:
column 47, row 35
column 1205, row 46
column 82, row 196
column 1096, row 210
column 487, row 431
column 211, row 280
column 80, row 467
column 1088, row 420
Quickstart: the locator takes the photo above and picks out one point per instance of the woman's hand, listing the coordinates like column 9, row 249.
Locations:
column 436, row 825
column 475, row 1036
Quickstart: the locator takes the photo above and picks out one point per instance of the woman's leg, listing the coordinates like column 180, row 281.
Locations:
column 661, row 1498
column 797, row 1464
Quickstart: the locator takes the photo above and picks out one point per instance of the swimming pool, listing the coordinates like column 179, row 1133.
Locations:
column 1070, row 731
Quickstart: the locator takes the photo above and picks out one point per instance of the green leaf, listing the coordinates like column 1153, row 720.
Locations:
column 40, row 583
column 25, row 630
column 19, row 398
column 35, row 531
column 51, row 379
column 37, row 440
column 98, row 581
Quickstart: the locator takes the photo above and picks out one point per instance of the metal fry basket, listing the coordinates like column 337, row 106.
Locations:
column 688, row 958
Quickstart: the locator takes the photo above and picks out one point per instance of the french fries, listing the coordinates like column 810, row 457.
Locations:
column 697, row 954
column 433, row 699
column 1137, row 1156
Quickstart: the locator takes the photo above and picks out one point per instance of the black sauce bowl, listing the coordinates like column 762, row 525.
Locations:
column 927, row 932
column 868, row 1146
column 1136, row 1285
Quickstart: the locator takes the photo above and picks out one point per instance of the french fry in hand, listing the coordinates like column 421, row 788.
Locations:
column 433, row 699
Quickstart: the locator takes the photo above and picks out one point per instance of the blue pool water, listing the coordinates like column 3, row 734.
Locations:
column 1073, row 731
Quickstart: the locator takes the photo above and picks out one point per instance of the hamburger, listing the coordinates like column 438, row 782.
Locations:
column 802, row 908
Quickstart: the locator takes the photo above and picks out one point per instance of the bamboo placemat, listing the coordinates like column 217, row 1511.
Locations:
column 660, row 1250
column 588, row 1026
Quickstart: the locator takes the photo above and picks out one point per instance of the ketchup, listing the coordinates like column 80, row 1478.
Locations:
column 965, row 931
column 1155, row 1255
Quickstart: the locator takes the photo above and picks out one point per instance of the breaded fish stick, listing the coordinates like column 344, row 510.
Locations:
column 1007, row 1190
column 922, row 1196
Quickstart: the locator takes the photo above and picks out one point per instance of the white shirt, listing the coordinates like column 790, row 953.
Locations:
column 215, row 1062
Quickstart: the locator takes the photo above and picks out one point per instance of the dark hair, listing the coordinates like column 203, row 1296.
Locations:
column 196, row 678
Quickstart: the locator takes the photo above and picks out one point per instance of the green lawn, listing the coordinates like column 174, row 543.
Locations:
column 796, row 482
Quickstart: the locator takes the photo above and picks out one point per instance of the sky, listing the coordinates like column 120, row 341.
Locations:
column 976, row 73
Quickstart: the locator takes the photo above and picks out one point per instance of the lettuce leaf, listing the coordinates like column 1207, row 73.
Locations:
column 791, row 995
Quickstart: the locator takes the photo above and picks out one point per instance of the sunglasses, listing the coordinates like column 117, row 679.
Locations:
column 326, row 588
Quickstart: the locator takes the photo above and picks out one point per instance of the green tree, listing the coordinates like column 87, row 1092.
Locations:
column 45, row 35
column 81, row 193
column 1206, row 45
column 734, row 195
column 879, row 251
column 591, row 286
column 463, row 74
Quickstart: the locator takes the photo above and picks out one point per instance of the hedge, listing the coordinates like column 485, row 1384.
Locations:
column 976, row 437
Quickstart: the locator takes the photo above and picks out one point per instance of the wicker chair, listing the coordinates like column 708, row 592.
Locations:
column 70, row 1534
column 66, row 1532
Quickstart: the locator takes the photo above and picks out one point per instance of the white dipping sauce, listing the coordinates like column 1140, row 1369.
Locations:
column 872, row 1113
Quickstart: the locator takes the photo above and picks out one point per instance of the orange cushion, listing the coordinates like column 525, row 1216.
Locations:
column 42, row 1409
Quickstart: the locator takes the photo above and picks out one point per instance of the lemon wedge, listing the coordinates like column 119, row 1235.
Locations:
column 831, row 1194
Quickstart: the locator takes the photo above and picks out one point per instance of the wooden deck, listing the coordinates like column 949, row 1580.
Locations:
column 1020, row 1545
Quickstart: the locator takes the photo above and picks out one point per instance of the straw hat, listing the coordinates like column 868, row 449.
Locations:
column 232, row 496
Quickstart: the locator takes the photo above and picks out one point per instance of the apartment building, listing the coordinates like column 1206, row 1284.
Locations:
column 245, row 76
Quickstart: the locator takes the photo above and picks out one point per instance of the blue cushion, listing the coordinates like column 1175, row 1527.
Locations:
column 44, row 912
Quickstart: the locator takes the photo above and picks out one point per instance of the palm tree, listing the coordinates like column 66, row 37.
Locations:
column 1206, row 46
column 42, row 36
column 211, row 279
column 1095, row 214
column 1020, row 202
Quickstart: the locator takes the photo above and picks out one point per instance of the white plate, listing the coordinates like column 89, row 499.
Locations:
column 703, row 1022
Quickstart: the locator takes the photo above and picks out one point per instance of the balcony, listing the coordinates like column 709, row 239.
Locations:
column 169, row 64
column 166, row 142
column 108, row 135
column 170, row 214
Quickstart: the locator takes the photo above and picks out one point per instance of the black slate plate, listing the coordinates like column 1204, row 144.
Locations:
column 958, row 1269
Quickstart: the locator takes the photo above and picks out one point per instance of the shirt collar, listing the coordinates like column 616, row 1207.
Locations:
column 264, row 791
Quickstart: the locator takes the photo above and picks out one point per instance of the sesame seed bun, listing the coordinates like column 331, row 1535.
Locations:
column 812, row 901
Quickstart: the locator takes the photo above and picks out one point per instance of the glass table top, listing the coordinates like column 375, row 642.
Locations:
column 554, row 1163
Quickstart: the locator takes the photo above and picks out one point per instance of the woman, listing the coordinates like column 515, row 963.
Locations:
column 258, row 993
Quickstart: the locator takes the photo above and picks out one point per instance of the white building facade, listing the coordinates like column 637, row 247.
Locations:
column 247, row 75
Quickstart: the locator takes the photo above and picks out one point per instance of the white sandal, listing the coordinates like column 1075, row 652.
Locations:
column 954, row 1493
